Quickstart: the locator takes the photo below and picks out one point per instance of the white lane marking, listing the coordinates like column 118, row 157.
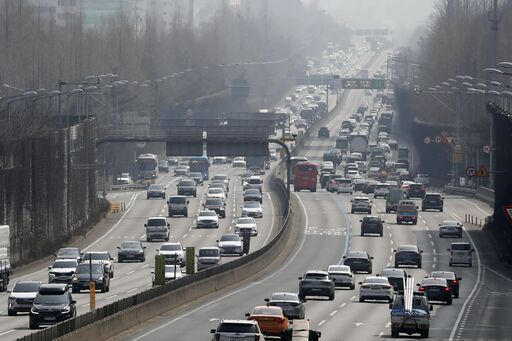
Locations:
column 381, row 334
column 392, row 250
column 333, row 313
column 85, row 305
column 427, row 228
column 358, row 324
column 130, row 272
column 390, row 235
column 424, row 222
column 272, row 222
column 430, row 236
column 388, row 325
column 344, row 304
column 475, row 287
column 143, row 236
column 111, row 297
column 321, row 323
column 391, row 257
column 145, row 266
column 388, row 265
column 432, row 242
column 7, row 332
column 129, row 207
column 389, row 228
column 185, row 235
column 223, row 297
column 132, row 290
column 353, row 298
column 478, row 207
column 497, row 273
column 434, row 252
column 391, row 241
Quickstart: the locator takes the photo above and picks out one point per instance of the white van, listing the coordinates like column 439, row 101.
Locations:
column 461, row 253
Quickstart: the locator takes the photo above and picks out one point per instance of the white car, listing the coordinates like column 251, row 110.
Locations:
column 252, row 209
column 381, row 190
column 207, row 218
column 239, row 162
column 353, row 174
column 62, row 270
column 246, row 224
column 21, row 296
column 216, row 193
column 230, row 244
column 173, row 253
column 172, row 272
column 342, row 276
column 124, row 179
column 327, row 166
column 100, row 257
column 376, row 288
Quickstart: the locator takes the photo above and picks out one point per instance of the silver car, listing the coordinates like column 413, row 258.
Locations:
column 361, row 204
column 62, row 271
column 376, row 288
column 342, row 276
column 246, row 224
column 461, row 253
column 208, row 257
column 252, row 209
column 21, row 296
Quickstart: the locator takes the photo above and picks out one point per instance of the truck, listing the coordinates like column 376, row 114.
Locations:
column 256, row 164
column 393, row 198
column 5, row 260
column 403, row 152
column 410, row 312
column 358, row 143
column 386, row 118
column 407, row 211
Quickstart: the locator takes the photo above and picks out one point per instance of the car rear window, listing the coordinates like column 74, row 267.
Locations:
column 462, row 247
column 416, row 187
column 187, row 183
column 177, row 200
column 237, row 328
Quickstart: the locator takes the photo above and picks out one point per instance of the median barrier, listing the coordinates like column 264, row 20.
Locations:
column 485, row 194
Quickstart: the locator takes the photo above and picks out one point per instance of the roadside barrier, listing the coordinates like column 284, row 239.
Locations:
column 116, row 207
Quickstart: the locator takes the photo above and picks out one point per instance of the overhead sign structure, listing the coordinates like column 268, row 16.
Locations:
column 363, row 83
column 470, row 171
column 487, row 149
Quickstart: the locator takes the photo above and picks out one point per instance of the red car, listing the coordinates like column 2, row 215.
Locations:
column 271, row 320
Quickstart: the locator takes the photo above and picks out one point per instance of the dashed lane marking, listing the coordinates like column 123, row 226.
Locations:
column 333, row 313
column 342, row 305
column 321, row 323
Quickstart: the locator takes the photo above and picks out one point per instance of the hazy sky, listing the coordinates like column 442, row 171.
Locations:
column 401, row 16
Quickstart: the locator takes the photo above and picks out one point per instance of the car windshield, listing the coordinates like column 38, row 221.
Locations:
column 56, row 299
column 157, row 222
column 356, row 254
column 71, row 253
column 213, row 202
column 433, row 281
column 64, row 264
column 284, row 297
column 315, row 276
column 274, row 311
column 230, row 238
column 392, row 273
column 26, row 287
column 208, row 253
column 408, row 248
column 361, row 199
column 86, row 268
column 155, row 187
column 172, row 268
column 207, row 214
column 177, row 200
column 215, row 191
column 196, row 175
column 252, row 204
column 171, row 247
column 339, row 268
column 131, row 245
column 96, row 256
column 450, row 223
column 461, row 247
column 247, row 328
column 220, row 177
column 416, row 187
column 246, row 221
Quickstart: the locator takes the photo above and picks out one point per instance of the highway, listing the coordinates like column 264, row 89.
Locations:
column 133, row 277
column 328, row 231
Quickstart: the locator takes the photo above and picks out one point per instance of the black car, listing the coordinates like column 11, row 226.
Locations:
column 359, row 261
column 436, row 289
column 253, row 194
column 396, row 278
column 325, row 178
column 100, row 275
column 187, row 187
column 69, row 253
column 155, row 191
column 432, row 201
column 372, row 224
column 316, row 283
column 451, row 279
column 450, row 228
column 293, row 308
column 217, row 205
column 131, row 250
column 52, row 304
column 323, row 132
column 172, row 161
column 197, row 177
column 416, row 191
column 408, row 255
column 335, row 156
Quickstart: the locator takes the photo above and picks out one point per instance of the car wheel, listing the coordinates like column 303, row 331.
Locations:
column 450, row 263
column 302, row 297
column 108, row 287
column 361, row 299
column 111, row 274
column 120, row 260
column 441, row 210
column 32, row 324
column 449, row 301
column 75, row 290
column 352, row 286
column 470, row 264
column 103, row 288
column 171, row 215
column 11, row 313
column 398, row 222
column 381, row 234
column 186, row 215
column 394, row 332
column 396, row 265
column 331, row 297
column 370, row 270
column 419, row 265
column 143, row 259
column 390, row 299
column 167, row 239
column 424, row 334
column 352, row 211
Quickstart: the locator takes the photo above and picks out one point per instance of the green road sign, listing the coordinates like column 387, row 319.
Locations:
column 363, row 83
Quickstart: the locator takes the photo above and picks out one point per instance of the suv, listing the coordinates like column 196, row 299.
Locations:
column 432, row 201
column 177, row 205
column 187, row 187
column 217, row 205
column 69, row 253
column 461, row 253
column 99, row 273
column 323, row 132
column 157, row 228
column 52, row 304
column 101, row 257
column 416, row 190
column 197, row 177
column 408, row 255
column 173, row 253
column 381, row 190
column 208, row 257
column 155, row 191
column 393, row 198
column 361, row 204
column 372, row 224
column 22, row 296
column 358, row 261
column 62, row 270
column 316, row 283
column 237, row 329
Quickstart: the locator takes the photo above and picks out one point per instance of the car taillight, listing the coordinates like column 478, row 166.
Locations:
column 455, row 282
column 421, row 289
column 446, row 289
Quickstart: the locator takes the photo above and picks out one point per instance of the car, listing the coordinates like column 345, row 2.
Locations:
column 372, row 224
column 407, row 211
column 219, row 160
column 230, row 244
column 359, row 261
column 157, row 228
column 252, row 209
column 219, row 184
column 358, row 184
column 98, row 271
column 416, row 190
column 316, row 283
column 259, row 187
column 217, row 193
column 340, row 185
column 163, row 166
column 217, row 205
column 62, row 270
column 272, row 155
column 52, row 304
column 461, row 253
column 222, row 177
column 131, row 250
column 370, row 187
column 246, row 225
column 293, row 307
column 21, row 297
column 177, row 205
column 342, row 276
column 396, row 278
column 172, row 161
column 252, row 194
column 408, row 255
column 207, row 218
column 361, row 204
column 124, row 179
column 393, row 144
column 253, row 180
column 451, row 279
column 155, row 191
column 271, row 320
column 69, row 253
column 182, row 170
column 376, row 288
column 239, row 162
column 323, row 132
column 351, row 174
column 187, row 187
column 436, row 289
column 420, row 314
column 197, row 177
column 207, row 257
column 101, row 257
column 432, row 201
column 237, row 330
column 422, row 179
column 171, row 273
column 173, row 253
column 327, row 166
column 381, row 190
column 450, row 228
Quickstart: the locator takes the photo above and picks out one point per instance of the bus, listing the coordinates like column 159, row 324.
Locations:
column 200, row 164
column 293, row 162
column 306, row 176
column 147, row 167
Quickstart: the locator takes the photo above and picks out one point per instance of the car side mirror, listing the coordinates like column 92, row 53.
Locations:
column 119, row 247
column 371, row 257
column 49, row 268
column 153, row 272
column 300, row 278
column 73, row 302
column 418, row 285
column 421, row 251
column 361, row 220
column 217, row 241
column 266, row 300
column 394, row 250
column 360, row 283
column 145, row 225
column 212, row 331
column 188, row 202
column 448, row 250
column 157, row 250
column 431, row 307
column 168, row 225
column 247, row 314
column 55, row 255
column 391, row 306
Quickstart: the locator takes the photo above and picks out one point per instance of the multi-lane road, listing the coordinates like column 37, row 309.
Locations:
column 328, row 231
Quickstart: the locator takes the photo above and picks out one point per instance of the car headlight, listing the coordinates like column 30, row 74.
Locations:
column 141, row 251
column 66, row 309
column 11, row 298
column 34, row 310
column 74, row 279
column 51, row 275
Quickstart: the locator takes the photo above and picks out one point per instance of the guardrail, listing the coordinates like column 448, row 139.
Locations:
column 481, row 193
column 114, row 318
column 130, row 187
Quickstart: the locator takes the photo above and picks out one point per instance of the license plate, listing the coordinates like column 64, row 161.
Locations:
column 315, row 289
column 49, row 318
column 434, row 290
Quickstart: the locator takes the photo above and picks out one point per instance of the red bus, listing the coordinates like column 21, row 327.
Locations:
column 305, row 176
